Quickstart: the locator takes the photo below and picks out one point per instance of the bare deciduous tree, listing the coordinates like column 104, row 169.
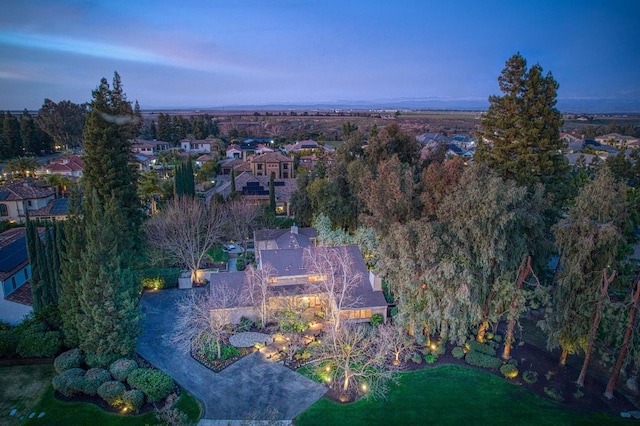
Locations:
column 257, row 291
column 395, row 337
column 333, row 275
column 203, row 317
column 242, row 219
column 186, row 229
column 352, row 360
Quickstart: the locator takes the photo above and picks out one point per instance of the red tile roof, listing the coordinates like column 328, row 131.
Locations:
column 24, row 189
column 22, row 295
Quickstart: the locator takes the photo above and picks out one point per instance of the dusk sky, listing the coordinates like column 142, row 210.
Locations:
column 240, row 52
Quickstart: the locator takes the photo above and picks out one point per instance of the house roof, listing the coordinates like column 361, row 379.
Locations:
column 72, row 163
column 250, row 185
column 206, row 157
column 13, row 252
column 287, row 238
column 24, row 189
column 22, row 295
column 271, row 157
column 55, row 207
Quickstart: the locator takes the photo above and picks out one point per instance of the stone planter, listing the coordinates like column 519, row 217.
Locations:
column 184, row 281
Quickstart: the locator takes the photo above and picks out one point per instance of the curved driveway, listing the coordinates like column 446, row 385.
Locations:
column 252, row 388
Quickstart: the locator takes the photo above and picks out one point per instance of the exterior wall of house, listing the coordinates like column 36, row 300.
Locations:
column 13, row 312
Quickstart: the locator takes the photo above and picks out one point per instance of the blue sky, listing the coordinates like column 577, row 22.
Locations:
column 253, row 52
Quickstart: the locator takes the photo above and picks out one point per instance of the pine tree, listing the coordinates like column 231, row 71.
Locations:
column 520, row 136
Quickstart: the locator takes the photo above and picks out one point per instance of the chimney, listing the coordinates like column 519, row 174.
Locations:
column 294, row 229
column 375, row 281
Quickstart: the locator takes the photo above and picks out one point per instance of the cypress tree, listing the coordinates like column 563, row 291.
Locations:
column 33, row 244
column 184, row 182
column 233, row 181
column 52, row 265
column 272, row 195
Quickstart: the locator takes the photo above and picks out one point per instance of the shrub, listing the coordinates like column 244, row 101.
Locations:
column 240, row 264
column 376, row 319
column 497, row 338
column 457, row 352
column 481, row 347
column 489, row 335
column 133, row 400
column 93, row 378
column 9, row 340
column 155, row 384
column 112, row 392
column 70, row 382
column 553, row 394
column 67, row 360
column 227, row 351
column 417, row 358
column 509, row 371
column 578, row 394
column 245, row 324
column 530, row 377
column 121, row 368
column 158, row 278
column 430, row 358
column 513, row 362
column 39, row 344
column 102, row 361
column 480, row 359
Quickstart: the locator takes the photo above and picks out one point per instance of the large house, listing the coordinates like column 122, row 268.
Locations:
column 284, row 253
column 200, row 146
column 22, row 195
column 15, row 275
column 272, row 163
column 70, row 166
column 148, row 148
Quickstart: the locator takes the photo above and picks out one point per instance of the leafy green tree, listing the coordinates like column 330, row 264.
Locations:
column 184, row 180
column 589, row 239
column 390, row 141
column 31, row 140
column 165, row 130
column 22, row 166
column 520, row 136
column 12, row 139
column 63, row 121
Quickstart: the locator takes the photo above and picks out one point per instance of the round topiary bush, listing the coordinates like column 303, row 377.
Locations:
column 509, row 371
column 9, row 340
column 457, row 352
column 133, row 400
column 93, row 378
column 481, row 347
column 112, row 392
column 497, row 338
column 530, row 377
column 101, row 361
column 479, row 359
column 70, row 382
column 67, row 360
column 121, row 368
column 155, row 384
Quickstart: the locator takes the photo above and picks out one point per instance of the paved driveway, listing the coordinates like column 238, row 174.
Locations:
column 250, row 388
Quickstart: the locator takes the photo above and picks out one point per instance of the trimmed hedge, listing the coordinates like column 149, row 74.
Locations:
column 112, row 392
column 93, row 378
column 457, row 352
column 101, row 361
column 121, row 368
column 155, row 384
column 70, row 382
column 39, row 344
column 481, row 347
column 157, row 278
column 479, row 359
column 530, row 377
column 67, row 360
column 133, row 399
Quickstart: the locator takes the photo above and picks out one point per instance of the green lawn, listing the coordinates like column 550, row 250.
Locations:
column 453, row 395
column 28, row 389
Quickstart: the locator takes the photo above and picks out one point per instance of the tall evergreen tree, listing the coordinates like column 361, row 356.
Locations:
column 104, row 242
column 520, row 136
column 184, row 180
column 12, row 138
column 272, row 195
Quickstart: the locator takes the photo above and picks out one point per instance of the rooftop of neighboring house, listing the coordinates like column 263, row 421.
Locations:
column 250, row 185
column 270, row 157
column 55, row 207
column 293, row 237
column 615, row 137
column 66, row 164
column 24, row 189
column 306, row 144
column 13, row 252
column 426, row 138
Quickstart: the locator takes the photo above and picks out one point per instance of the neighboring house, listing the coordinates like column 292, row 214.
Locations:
column 15, row 275
column 284, row 252
column 234, row 152
column 236, row 164
column 70, row 166
column 274, row 163
column 618, row 140
column 256, row 190
column 573, row 158
column 196, row 146
column 142, row 163
column 432, row 138
column 204, row 158
column 149, row 148
column 22, row 195
column 602, row 150
column 55, row 210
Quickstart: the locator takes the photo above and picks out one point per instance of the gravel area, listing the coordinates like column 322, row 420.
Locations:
column 248, row 339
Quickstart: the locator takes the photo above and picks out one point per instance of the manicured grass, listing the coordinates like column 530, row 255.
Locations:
column 21, row 389
column 28, row 389
column 453, row 395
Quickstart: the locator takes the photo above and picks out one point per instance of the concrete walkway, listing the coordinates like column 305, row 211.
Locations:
column 252, row 388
